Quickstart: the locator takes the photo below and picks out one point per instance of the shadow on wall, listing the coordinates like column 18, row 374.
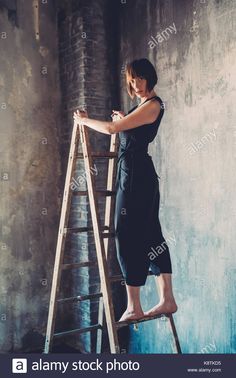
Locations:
column 11, row 7
column 33, row 342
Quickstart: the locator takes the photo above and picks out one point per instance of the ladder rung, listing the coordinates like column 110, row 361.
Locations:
column 99, row 154
column 78, row 330
column 100, row 193
column 108, row 235
column 129, row 322
column 80, row 298
column 83, row 229
column 79, row 265
column 119, row 277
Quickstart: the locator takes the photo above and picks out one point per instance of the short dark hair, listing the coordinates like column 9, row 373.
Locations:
column 141, row 68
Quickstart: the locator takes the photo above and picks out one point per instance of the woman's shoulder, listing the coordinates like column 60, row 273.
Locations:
column 157, row 98
column 162, row 104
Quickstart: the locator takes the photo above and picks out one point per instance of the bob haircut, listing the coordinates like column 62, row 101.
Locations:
column 144, row 69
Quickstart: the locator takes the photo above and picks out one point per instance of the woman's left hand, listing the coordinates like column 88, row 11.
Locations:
column 79, row 115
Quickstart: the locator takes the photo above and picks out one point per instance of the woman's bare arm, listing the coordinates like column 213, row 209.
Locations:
column 101, row 126
column 81, row 117
column 147, row 113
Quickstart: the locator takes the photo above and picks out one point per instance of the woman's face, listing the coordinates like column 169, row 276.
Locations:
column 139, row 85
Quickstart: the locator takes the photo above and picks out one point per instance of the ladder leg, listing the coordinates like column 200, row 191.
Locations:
column 107, row 221
column 60, row 244
column 176, row 345
column 99, row 243
column 99, row 331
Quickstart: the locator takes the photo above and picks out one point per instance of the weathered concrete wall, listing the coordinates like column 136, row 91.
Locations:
column 193, row 48
column 30, row 171
column 194, row 52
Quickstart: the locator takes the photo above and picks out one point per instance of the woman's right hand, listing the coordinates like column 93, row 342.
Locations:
column 119, row 113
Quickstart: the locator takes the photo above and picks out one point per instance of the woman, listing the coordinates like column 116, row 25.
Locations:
column 137, row 228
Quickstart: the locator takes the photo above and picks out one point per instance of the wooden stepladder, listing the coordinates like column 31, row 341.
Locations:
column 102, row 233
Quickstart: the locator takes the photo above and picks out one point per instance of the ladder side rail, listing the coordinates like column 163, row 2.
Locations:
column 99, row 243
column 61, row 240
column 107, row 221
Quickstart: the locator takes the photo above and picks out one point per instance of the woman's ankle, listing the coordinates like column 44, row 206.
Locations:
column 167, row 298
column 134, row 309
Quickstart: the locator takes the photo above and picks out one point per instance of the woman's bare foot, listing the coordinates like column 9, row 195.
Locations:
column 163, row 307
column 131, row 315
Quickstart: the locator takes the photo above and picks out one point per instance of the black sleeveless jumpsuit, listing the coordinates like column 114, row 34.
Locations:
column 138, row 234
